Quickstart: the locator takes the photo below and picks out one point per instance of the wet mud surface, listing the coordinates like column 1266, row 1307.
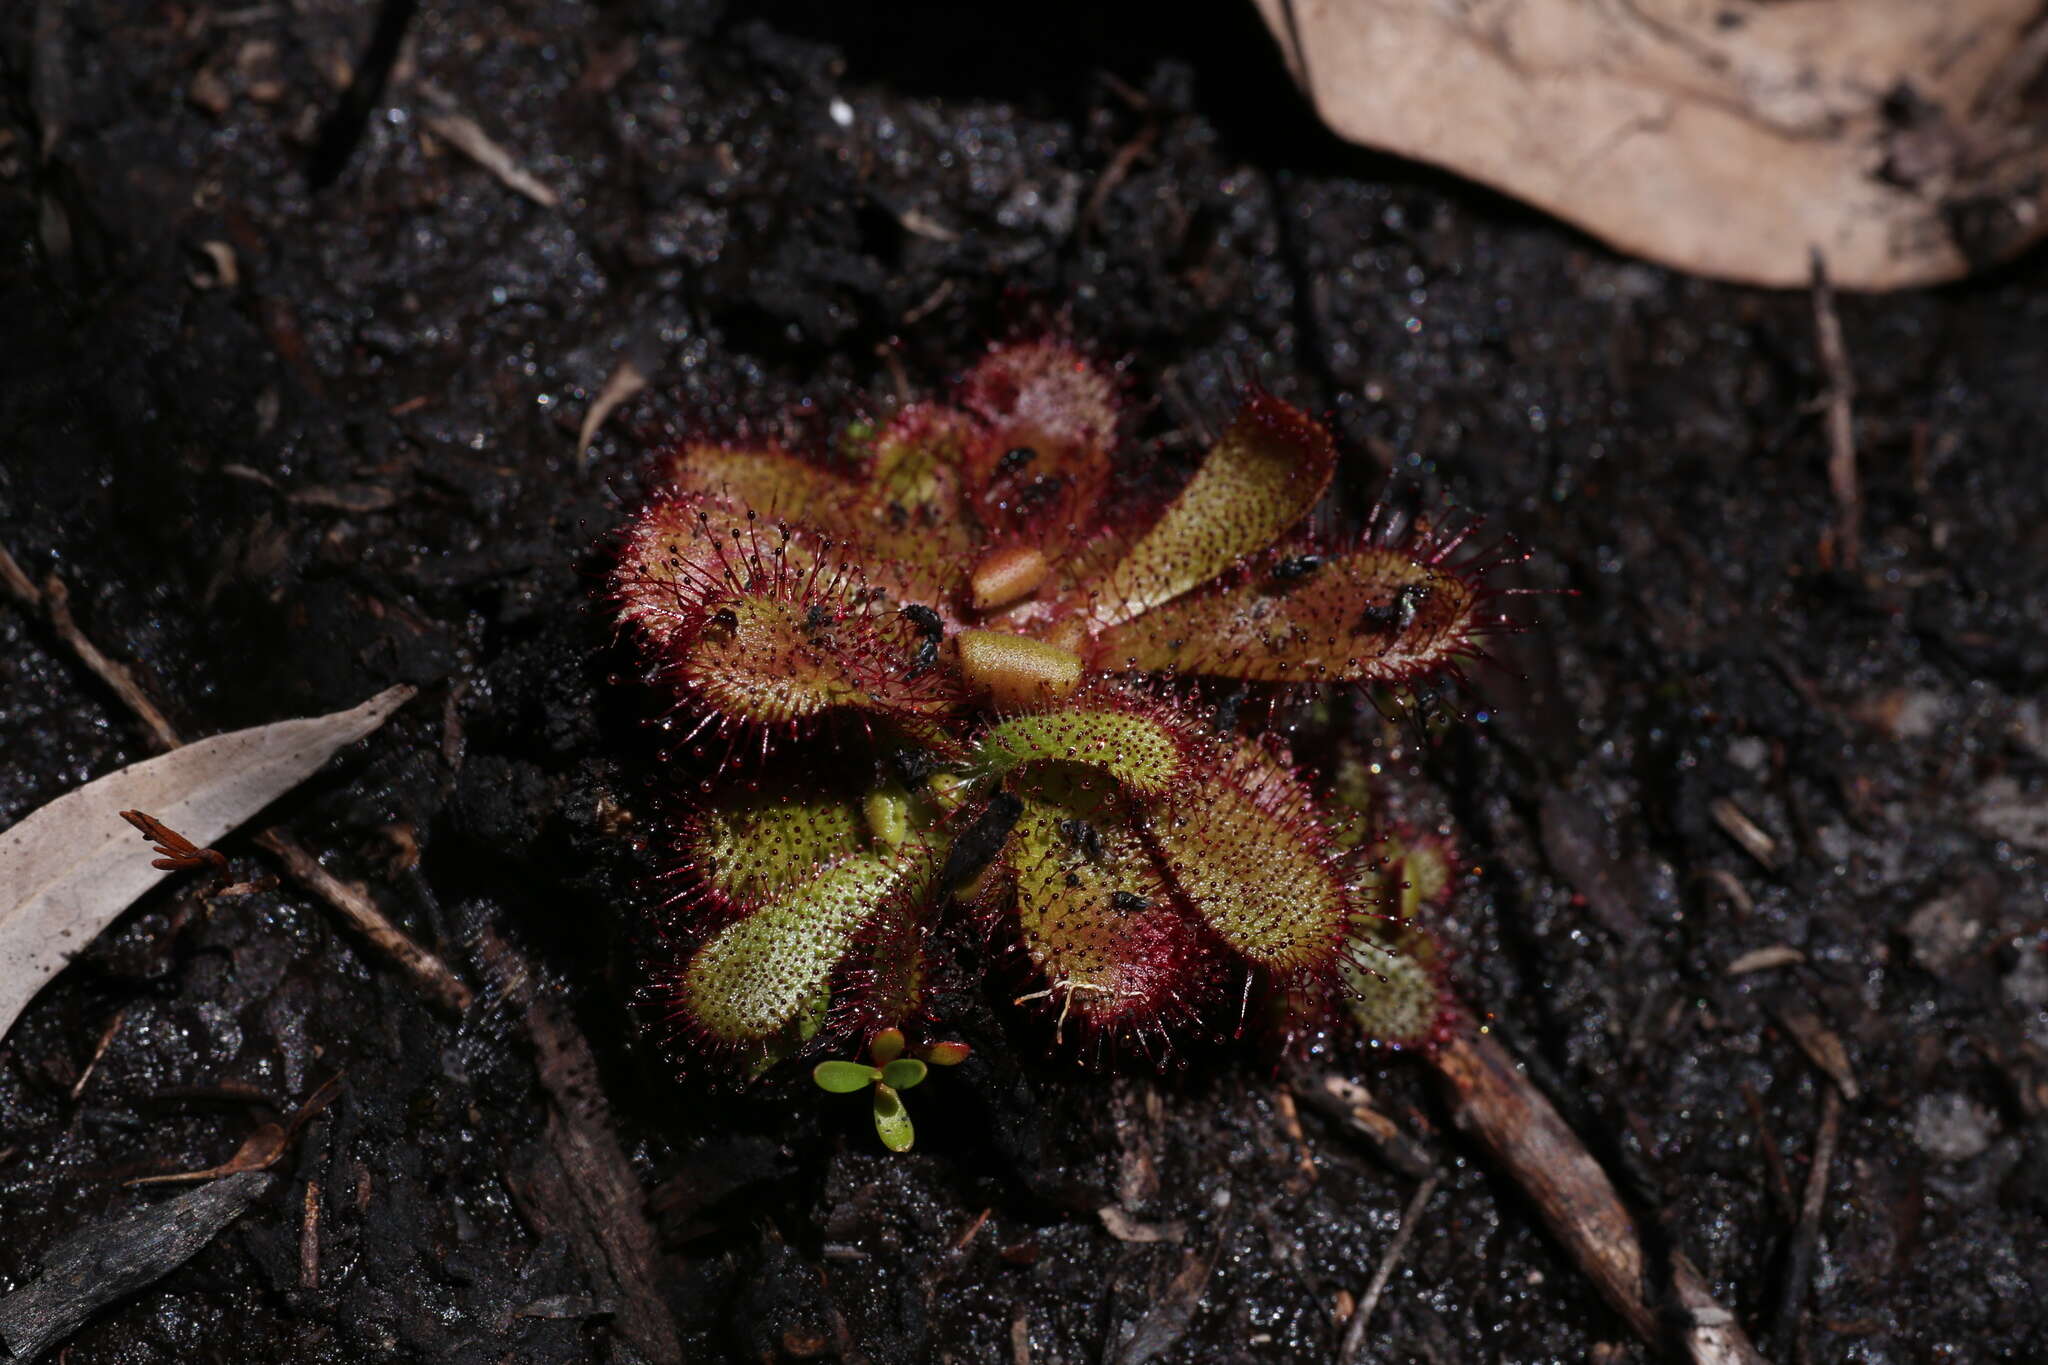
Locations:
column 350, row 459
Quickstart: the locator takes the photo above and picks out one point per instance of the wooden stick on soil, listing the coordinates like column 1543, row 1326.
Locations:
column 1806, row 1235
column 1493, row 1101
column 1354, row 1332
column 1842, row 476
column 53, row 602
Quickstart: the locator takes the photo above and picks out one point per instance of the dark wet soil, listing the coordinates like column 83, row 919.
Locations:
column 356, row 465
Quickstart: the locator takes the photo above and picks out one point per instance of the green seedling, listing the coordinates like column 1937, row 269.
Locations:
column 891, row 1074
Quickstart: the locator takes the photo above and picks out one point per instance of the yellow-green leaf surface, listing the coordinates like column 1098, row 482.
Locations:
column 1253, row 869
column 773, row 484
column 751, row 846
column 892, row 1120
column 1094, row 914
column 903, row 1073
column 1390, row 981
column 1375, row 615
column 760, row 974
column 1137, row 750
column 1259, row 480
column 843, row 1078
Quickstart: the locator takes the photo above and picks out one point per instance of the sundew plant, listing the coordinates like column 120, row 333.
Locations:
column 968, row 672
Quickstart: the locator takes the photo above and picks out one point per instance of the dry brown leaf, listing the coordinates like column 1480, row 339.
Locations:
column 626, row 380
column 70, row 868
column 258, row 1152
column 1727, row 137
column 261, row 1149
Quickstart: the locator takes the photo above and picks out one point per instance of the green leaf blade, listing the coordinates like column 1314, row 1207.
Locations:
column 903, row 1073
column 756, row 977
column 843, row 1078
column 892, row 1120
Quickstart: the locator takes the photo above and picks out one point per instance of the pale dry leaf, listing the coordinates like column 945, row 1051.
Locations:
column 626, row 380
column 69, row 869
column 1728, row 137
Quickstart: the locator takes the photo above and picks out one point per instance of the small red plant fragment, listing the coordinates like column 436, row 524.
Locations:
column 175, row 853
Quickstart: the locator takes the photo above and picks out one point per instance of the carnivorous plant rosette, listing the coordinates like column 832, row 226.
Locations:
column 964, row 662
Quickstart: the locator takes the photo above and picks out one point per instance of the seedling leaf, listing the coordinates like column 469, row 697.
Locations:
column 843, row 1078
column 887, row 1046
column 903, row 1073
column 892, row 1121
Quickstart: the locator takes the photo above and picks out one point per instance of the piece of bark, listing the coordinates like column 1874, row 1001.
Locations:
column 1670, row 1308
column 585, row 1187
column 1575, row 840
column 1727, row 139
column 1350, row 1104
column 1166, row 1322
column 115, row 1257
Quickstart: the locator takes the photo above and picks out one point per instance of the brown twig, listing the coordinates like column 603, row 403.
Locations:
column 1806, row 1235
column 1174, row 1308
column 1492, row 1100
column 1116, row 172
column 467, row 136
column 1842, row 477
column 56, row 605
column 1354, row 1334
column 351, row 899
column 960, row 1242
column 1350, row 1104
column 1290, row 1125
column 587, row 1187
column 1774, row 1159
column 17, row 583
column 627, row 379
column 106, row 1041
column 262, row 1148
column 309, row 1238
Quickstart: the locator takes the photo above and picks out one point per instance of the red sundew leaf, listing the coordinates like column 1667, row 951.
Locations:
column 1096, row 920
column 1041, row 462
column 764, row 626
column 1246, row 850
column 1391, row 981
column 1140, row 743
column 685, row 554
column 773, row 484
column 887, row 976
column 1375, row 614
column 1257, row 482
column 755, row 845
column 901, row 524
column 768, row 973
column 911, row 508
